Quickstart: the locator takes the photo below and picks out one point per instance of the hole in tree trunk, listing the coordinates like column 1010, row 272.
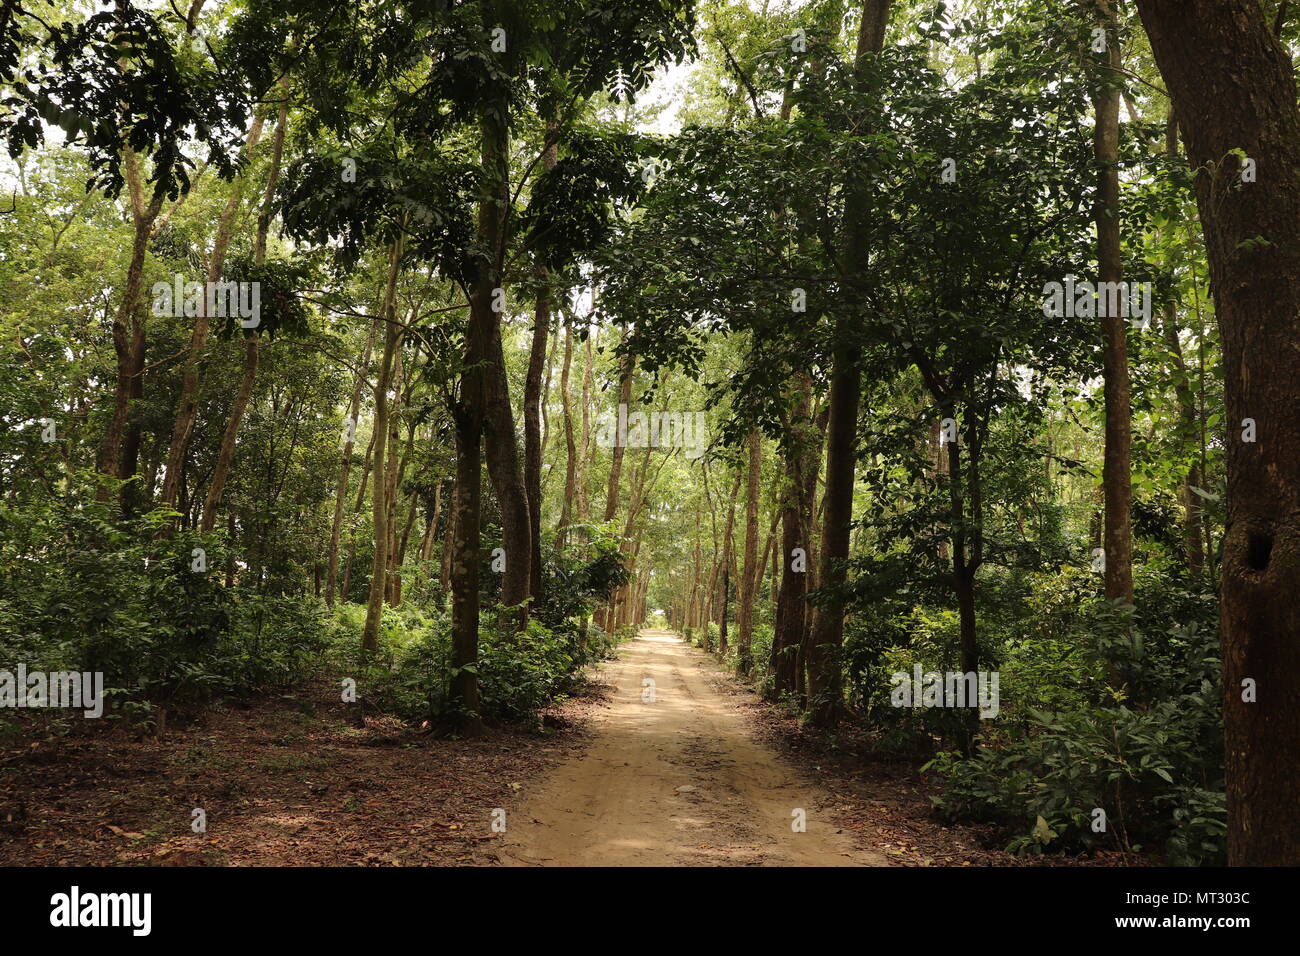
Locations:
column 1259, row 547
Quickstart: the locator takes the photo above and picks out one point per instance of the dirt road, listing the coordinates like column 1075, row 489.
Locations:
column 674, row 781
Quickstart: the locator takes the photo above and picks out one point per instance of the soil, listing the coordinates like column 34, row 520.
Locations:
column 703, row 774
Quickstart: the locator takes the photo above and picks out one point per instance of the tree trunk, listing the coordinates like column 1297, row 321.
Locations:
column 501, row 443
column 217, row 486
column 726, row 567
column 129, row 330
column 465, row 572
column 1116, row 480
column 187, row 408
column 227, row 453
column 616, row 459
column 824, row 669
column 391, row 475
column 448, row 544
column 580, row 473
column 752, row 570
column 1233, row 88
column 532, row 408
column 616, row 468
column 345, row 465
column 379, row 569
column 570, row 447
column 966, row 528
column 788, row 626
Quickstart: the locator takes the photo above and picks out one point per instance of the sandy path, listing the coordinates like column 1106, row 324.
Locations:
column 674, row 782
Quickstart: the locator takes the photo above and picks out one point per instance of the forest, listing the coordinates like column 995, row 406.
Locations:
column 649, row 432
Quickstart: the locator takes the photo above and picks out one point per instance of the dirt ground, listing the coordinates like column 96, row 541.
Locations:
column 705, row 774
column 287, row 782
column 676, row 779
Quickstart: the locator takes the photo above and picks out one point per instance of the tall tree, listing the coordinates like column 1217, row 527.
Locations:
column 1107, row 91
column 845, row 385
column 1233, row 89
column 187, row 408
column 345, row 462
column 752, row 570
column 253, row 336
column 533, row 402
column 378, row 496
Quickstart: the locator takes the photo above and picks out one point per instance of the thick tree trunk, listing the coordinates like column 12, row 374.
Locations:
column 533, row 437
column 1233, row 88
column 795, row 522
column 824, row 670
column 465, row 573
column 499, row 439
column 470, row 412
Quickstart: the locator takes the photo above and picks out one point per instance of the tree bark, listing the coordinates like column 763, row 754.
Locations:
column 788, row 627
column 616, row 458
column 532, row 408
column 824, row 670
column 500, row 441
column 129, row 331
column 465, row 572
column 345, row 465
column 580, row 478
column 726, row 567
column 1116, row 480
column 1233, row 88
column 570, row 447
column 187, row 408
column 252, row 342
column 752, row 569
column 378, row 496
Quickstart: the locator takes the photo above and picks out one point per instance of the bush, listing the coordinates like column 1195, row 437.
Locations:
column 518, row 673
column 1148, row 752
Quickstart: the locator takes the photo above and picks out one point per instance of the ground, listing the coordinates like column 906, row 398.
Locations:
column 674, row 777
column 703, row 774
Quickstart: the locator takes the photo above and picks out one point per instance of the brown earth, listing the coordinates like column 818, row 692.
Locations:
column 706, row 774
column 676, row 779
